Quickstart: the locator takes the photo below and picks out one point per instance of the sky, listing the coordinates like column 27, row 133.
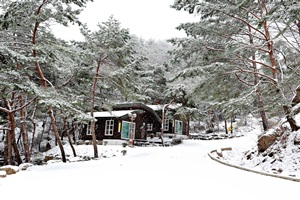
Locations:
column 148, row 19
column 183, row 171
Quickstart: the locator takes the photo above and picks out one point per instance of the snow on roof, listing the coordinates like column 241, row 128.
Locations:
column 118, row 113
column 160, row 107
column 155, row 107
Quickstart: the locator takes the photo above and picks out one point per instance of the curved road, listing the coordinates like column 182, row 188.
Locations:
column 180, row 172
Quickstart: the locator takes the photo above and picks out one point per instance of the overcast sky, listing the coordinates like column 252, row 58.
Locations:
column 148, row 19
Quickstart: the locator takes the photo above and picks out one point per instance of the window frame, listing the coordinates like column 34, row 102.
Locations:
column 109, row 127
column 149, row 127
column 166, row 124
column 88, row 129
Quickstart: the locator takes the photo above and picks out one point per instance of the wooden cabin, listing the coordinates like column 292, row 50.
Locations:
column 139, row 119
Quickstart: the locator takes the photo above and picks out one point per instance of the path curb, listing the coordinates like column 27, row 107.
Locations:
column 244, row 168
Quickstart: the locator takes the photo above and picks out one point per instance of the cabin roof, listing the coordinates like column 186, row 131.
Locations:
column 118, row 113
column 160, row 106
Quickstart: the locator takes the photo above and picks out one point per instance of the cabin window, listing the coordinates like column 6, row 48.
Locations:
column 166, row 124
column 149, row 127
column 88, row 129
column 109, row 127
column 178, row 127
column 127, row 127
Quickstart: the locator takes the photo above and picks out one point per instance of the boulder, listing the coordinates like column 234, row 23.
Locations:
column 25, row 166
column 9, row 169
column 265, row 141
column 48, row 157
column 268, row 138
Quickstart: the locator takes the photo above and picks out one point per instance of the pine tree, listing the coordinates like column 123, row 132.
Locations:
column 34, row 53
column 237, row 37
column 111, row 53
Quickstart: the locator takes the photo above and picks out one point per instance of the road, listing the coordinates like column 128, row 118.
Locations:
column 179, row 172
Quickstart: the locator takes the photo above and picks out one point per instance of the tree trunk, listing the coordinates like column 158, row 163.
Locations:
column 231, row 122
column 100, row 60
column 23, row 132
column 92, row 127
column 33, row 135
column 258, row 91
column 226, row 130
column 68, row 134
column 44, row 83
column 290, row 119
column 261, row 109
column 63, row 155
column 10, row 136
column 12, row 141
column 32, row 119
column 9, row 144
column 6, row 149
column 268, row 40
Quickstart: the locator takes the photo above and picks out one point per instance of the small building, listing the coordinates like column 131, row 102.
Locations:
column 139, row 119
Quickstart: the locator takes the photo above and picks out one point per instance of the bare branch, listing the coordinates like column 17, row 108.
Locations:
column 246, row 83
column 9, row 110
column 248, row 24
column 259, row 74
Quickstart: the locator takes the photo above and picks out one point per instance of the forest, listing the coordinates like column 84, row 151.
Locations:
column 240, row 57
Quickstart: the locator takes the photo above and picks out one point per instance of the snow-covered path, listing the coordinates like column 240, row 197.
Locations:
column 180, row 172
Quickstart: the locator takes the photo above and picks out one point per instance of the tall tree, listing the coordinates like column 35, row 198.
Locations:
column 111, row 53
column 29, row 30
column 236, row 36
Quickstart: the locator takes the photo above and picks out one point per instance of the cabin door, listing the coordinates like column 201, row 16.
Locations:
column 178, row 127
column 127, row 128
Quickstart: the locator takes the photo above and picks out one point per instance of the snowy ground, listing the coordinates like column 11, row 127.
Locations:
column 282, row 158
column 179, row 172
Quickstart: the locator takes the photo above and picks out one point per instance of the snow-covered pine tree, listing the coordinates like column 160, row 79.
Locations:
column 36, row 53
column 238, row 36
column 110, row 52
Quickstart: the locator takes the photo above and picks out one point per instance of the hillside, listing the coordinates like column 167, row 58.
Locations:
column 282, row 157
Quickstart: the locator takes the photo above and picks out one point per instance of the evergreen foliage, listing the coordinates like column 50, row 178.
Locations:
column 240, row 56
column 236, row 39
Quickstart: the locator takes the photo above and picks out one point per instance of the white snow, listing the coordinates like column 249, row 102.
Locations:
column 15, row 168
column 297, row 118
column 183, row 171
column 118, row 113
column 2, row 173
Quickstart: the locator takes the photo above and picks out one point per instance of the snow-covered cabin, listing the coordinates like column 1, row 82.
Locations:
column 137, row 118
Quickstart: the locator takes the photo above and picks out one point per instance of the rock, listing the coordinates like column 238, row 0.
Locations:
column 209, row 131
column 38, row 159
column 9, row 169
column 48, row 147
column 124, row 152
column 297, row 139
column 265, row 141
column 25, row 166
column 48, row 157
column 268, row 138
